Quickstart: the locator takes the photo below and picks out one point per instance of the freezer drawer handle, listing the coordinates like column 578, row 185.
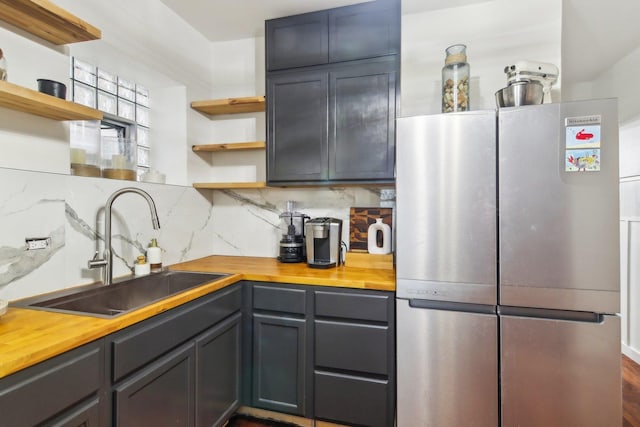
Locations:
column 545, row 313
column 452, row 306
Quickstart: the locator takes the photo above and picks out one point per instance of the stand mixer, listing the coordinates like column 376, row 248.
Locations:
column 292, row 243
column 526, row 71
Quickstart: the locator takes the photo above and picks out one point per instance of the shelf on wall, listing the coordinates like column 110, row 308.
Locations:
column 229, row 185
column 234, row 146
column 47, row 21
column 33, row 102
column 230, row 105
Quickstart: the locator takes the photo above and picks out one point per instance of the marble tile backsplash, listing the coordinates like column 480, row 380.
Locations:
column 69, row 210
column 247, row 222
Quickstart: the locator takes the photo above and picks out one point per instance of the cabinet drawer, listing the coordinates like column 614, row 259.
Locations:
column 352, row 400
column 351, row 347
column 36, row 394
column 137, row 346
column 285, row 300
column 358, row 306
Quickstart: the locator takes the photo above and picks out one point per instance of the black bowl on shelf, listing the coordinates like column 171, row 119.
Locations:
column 53, row 88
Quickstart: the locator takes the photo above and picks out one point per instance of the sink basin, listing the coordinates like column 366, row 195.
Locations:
column 122, row 297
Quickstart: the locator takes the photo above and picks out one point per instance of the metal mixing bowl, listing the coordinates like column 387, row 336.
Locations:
column 520, row 93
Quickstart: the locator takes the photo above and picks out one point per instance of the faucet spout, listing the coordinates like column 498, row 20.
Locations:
column 107, row 258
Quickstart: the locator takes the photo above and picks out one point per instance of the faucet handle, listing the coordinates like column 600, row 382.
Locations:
column 96, row 262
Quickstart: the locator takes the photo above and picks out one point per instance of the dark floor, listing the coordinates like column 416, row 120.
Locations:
column 630, row 405
column 246, row 421
column 630, row 393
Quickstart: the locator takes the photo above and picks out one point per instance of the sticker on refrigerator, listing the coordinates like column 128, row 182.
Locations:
column 582, row 143
column 582, row 160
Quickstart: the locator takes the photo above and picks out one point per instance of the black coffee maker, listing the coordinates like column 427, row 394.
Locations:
column 292, row 243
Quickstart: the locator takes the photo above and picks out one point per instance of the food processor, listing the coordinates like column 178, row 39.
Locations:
column 292, row 244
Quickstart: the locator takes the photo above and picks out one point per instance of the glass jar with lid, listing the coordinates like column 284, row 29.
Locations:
column 455, row 79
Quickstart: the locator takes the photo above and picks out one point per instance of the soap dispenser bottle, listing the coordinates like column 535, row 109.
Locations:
column 141, row 267
column 154, row 255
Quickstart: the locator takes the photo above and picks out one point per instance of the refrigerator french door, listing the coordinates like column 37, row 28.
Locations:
column 446, row 284
column 559, row 266
column 507, row 267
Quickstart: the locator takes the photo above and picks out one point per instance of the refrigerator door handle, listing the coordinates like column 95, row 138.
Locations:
column 452, row 306
column 544, row 313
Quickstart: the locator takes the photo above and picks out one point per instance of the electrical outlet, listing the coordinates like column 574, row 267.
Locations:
column 37, row 243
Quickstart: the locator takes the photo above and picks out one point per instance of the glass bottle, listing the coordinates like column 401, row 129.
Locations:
column 455, row 79
column 3, row 66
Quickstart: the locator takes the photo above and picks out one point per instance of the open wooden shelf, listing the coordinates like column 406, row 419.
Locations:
column 47, row 21
column 229, row 185
column 234, row 146
column 230, row 105
column 33, row 102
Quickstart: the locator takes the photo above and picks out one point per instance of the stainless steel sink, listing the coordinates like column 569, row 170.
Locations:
column 122, row 297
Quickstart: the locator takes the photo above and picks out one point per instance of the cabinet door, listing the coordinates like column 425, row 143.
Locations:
column 364, row 30
column 297, row 41
column 86, row 414
column 160, row 394
column 297, row 127
column 34, row 396
column 218, row 373
column 280, row 372
column 362, row 101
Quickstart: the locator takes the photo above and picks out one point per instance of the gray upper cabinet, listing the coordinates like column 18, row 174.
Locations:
column 361, row 31
column 364, row 31
column 331, row 119
column 297, row 114
column 362, row 124
column 297, row 41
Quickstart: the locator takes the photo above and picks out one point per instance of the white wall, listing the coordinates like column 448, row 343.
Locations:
column 630, row 238
column 497, row 33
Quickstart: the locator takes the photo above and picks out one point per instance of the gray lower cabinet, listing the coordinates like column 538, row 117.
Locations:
column 181, row 367
column 66, row 390
column 160, row 394
column 324, row 353
column 279, row 366
column 218, row 357
column 281, row 356
column 354, row 369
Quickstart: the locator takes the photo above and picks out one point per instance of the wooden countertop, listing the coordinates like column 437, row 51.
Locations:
column 31, row 336
column 270, row 270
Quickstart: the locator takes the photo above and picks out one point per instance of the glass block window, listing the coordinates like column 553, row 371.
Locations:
column 118, row 97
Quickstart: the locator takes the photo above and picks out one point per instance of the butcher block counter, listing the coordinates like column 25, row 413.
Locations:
column 29, row 336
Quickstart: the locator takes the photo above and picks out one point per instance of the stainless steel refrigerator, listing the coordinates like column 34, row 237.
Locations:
column 508, row 267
